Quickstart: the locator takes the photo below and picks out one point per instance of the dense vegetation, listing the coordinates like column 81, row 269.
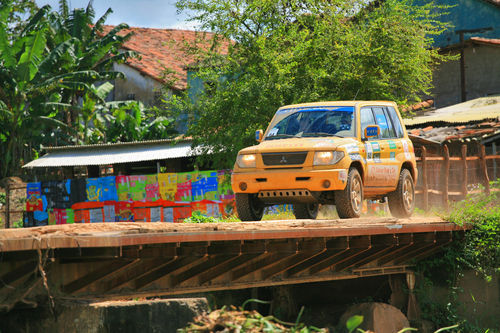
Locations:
column 285, row 52
column 478, row 251
column 52, row 66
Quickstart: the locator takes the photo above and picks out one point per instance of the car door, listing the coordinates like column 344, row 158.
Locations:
column 382, row 165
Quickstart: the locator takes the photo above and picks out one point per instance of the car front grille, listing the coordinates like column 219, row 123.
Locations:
column 293, row 158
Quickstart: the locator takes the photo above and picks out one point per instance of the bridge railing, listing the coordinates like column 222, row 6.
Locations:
column 443, row 178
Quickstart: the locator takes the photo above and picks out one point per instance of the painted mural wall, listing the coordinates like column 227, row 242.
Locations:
column 167, row 197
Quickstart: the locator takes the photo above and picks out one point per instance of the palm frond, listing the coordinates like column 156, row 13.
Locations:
column 99, row 23
column 35, row 20
column 64, row 8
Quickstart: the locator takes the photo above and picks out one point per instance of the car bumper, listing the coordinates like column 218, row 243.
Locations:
column 312, row 180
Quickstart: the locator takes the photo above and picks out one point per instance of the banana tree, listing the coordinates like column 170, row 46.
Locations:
column 89, row 47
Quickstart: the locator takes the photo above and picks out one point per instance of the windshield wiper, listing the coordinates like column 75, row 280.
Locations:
column 279, row 136
column 316, row 134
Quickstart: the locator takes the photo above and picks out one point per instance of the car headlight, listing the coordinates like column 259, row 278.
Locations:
column 328, row 157
column 246, row 161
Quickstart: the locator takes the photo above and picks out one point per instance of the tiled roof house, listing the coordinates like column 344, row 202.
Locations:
column 158, row 50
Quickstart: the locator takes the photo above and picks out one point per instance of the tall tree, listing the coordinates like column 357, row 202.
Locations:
column 56, row 59
column 285, row 52
column 90, row 48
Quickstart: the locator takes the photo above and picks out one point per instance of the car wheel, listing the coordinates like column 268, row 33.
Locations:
column 248, row 207
column 349, row 201
column 306, row 211
column 402, row 200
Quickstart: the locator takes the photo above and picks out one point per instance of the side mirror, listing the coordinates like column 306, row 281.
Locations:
column 372, row 131
column 258, row 135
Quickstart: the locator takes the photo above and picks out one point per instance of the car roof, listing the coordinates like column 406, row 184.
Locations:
column 340, row 103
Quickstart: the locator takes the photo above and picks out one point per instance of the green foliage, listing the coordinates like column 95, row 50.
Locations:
column 198, row 217
column 47, row 63
column 353, row 322
column 3, row 198
column 479, row 250
column 286, row 52
column 18, row 224
column 481, row 246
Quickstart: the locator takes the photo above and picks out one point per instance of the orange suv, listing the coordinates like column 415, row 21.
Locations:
column 328, row 153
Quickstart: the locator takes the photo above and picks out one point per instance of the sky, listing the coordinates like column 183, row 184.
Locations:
column 135, row 13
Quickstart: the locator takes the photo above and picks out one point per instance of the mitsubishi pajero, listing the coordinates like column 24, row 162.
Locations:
column 333, row 153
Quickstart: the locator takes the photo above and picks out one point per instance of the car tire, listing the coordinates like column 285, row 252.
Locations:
column 349, row 201
column 248, row 207
column 402, row 200
column 306, row 211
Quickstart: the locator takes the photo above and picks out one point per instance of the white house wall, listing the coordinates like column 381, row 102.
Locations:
column 142, row 87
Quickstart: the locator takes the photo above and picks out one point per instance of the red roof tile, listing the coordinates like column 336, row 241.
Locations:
column 490, row 41
column 160, row 49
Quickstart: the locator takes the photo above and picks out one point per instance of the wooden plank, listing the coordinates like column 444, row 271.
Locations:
column 169, row 268
column 484, row 169
column 259, row 263
column 492, row 157
column 225, row 267
column 140, row 268
column 446, row 175
column 95, row 275
column 193, row 272
column 435, row 158
column 464, row 170
column 434, row 191
column 425, row 184
column 7, row 206
column 18, row 273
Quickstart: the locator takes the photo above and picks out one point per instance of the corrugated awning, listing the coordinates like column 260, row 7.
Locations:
column 474, row 110
column 106, row 154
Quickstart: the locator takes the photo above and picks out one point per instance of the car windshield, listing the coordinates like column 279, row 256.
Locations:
column 312, row 122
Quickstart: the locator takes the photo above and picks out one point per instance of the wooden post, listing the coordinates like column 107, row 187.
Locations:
column 484, row 169
column 446, row 175
column 494, row 147
column 425, row 185
column 464, row 170
column 7, row 204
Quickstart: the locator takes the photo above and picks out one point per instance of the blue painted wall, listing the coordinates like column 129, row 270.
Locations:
column 467, row 15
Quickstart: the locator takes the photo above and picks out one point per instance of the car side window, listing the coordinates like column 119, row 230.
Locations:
column 384, row 122
column 366, row 119
column 395, row 121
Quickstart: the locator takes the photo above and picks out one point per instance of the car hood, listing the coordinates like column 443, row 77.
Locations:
column 298, row 144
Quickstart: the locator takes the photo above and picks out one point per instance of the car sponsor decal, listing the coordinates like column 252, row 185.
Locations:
column 375, row 146
column 352, row 148
column 382, row 175
column 369, row 151
column 343, row 176
column 392, row 144
column 376, row 158
column 392, row 156
column 406, row 149
column 356, row 157
column 273, row 132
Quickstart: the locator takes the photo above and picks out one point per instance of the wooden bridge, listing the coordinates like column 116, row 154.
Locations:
column 123, row 260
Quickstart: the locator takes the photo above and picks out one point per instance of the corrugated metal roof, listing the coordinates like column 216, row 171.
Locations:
column 112, row 153
column 474, row 110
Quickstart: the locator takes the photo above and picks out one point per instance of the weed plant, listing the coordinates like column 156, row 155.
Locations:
column 478, row 250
